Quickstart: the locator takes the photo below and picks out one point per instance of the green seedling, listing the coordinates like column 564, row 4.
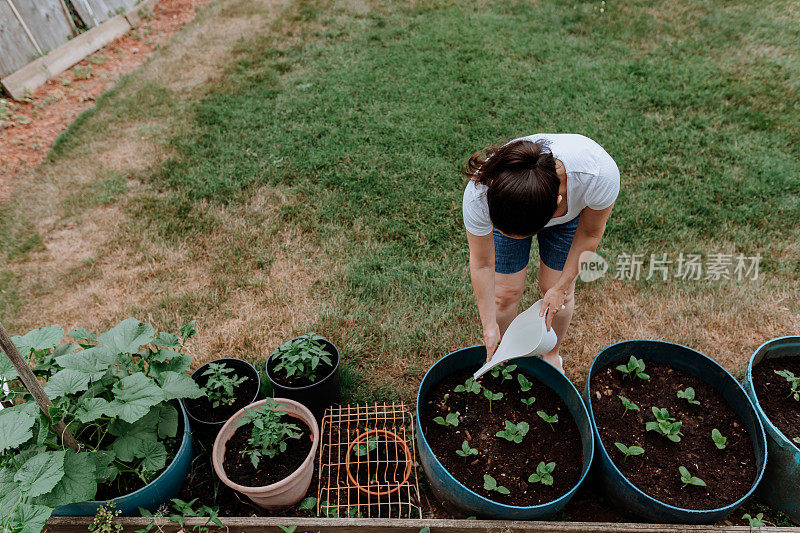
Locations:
column 302, row 358
column 629, row 450
column 528, row 401
column 221, row 385
column 524, row 384
column 719, row 441
column 544, row 474
column 794, row 382
column 628, row 405
column 450, row 420
column 756, row 521
column 505, row 371
column 688, row 479
column 287, row 529
column 364, row 448
column 634, row 368
column 490, row 483
column 492, row 396
column 514, row 432
column 688, row 395
column 549, row 419
column 466, row 450
column 665, row 425
column 469, row 386
column 269, row 435
column 796, row 440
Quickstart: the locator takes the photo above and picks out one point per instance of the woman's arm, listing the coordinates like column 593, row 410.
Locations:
column 591, row 227
column 481, row 270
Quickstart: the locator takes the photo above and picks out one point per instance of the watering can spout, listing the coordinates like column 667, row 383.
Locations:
column 526, row 336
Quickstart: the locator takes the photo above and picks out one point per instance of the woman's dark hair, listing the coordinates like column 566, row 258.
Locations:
column 522, row 185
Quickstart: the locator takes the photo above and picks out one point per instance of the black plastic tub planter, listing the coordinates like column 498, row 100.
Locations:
column 455, row 494
column 207, row 420
column 318, row 394
column 680, row 358
column 781, row 486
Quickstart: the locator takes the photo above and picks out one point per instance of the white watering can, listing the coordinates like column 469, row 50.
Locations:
column 526, row 336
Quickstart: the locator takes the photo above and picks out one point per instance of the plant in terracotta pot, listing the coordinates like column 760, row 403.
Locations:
column 266, row 451
column 229, row 384
column 306, row 369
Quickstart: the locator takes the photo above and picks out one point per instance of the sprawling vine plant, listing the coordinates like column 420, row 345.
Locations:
column 115, row 392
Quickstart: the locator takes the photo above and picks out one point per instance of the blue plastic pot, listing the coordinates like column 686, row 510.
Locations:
column 781, row 487
column 616, row 485
column 453, row 492
column 152, row 496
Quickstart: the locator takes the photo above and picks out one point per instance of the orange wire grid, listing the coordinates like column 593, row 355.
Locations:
column 366, row 463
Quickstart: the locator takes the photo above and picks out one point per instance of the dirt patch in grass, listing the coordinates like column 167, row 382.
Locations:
column 27, row 137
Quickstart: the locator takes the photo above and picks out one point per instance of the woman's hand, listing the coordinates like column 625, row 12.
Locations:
column 552, row 303
column 491, row 338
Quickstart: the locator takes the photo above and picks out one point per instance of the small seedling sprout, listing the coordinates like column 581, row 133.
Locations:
column 514, row 432
column 549, row 419
column 628, row 405
column 794, row 382
column 364, row 448
column 492, row 396
column 528, row 401
column 469, row 386
column 688, row 479
column 796, row 440
column 665, row 425
column 634, row 368
column 524, row 384
column 466, row 450
column 450, row 420
column 719, row 441
column 505, row 371
column 688, row 395
column 756, row 521
column 544, row 474
column 490, row 483
column 629, row 450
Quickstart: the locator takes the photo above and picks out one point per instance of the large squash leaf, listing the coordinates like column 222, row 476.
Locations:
column 179, row 385
column 155, row 455
column 66, row 382
column 93, row 408
column 167, row 421
column 39, row 474
column 28, row 518
column 93, row 361
column 134, row 395
column 38, row 339
column 7, row 370
column 15, row 427
column 78, row 484
column 127, row 336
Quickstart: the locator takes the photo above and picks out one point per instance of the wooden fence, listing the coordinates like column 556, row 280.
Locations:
column 31, row 28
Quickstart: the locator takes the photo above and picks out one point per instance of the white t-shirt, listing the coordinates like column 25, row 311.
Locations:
column 592, row 181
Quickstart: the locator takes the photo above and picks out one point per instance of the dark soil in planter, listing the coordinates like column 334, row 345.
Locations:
column 239, row 468
column 380, row 469
column 201, row 407
column 509, row 463
column 773, row 394
column 729, row 473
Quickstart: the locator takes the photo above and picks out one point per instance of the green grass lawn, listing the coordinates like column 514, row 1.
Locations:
column 362, row 116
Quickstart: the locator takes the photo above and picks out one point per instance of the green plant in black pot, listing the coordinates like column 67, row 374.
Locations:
column 221, row 384
column 300, row 358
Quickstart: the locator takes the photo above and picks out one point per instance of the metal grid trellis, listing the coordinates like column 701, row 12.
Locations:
column 366, row 462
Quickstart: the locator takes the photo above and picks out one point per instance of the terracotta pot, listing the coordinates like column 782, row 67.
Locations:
column 289, row 490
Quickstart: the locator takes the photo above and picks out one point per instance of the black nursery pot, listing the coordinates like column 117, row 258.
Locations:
column 246, row 393
column 319, row 395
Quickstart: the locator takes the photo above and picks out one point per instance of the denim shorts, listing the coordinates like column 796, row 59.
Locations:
column 512, row 255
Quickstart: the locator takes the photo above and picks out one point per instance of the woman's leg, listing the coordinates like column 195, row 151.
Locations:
column 547, row 279
column 508, row 289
